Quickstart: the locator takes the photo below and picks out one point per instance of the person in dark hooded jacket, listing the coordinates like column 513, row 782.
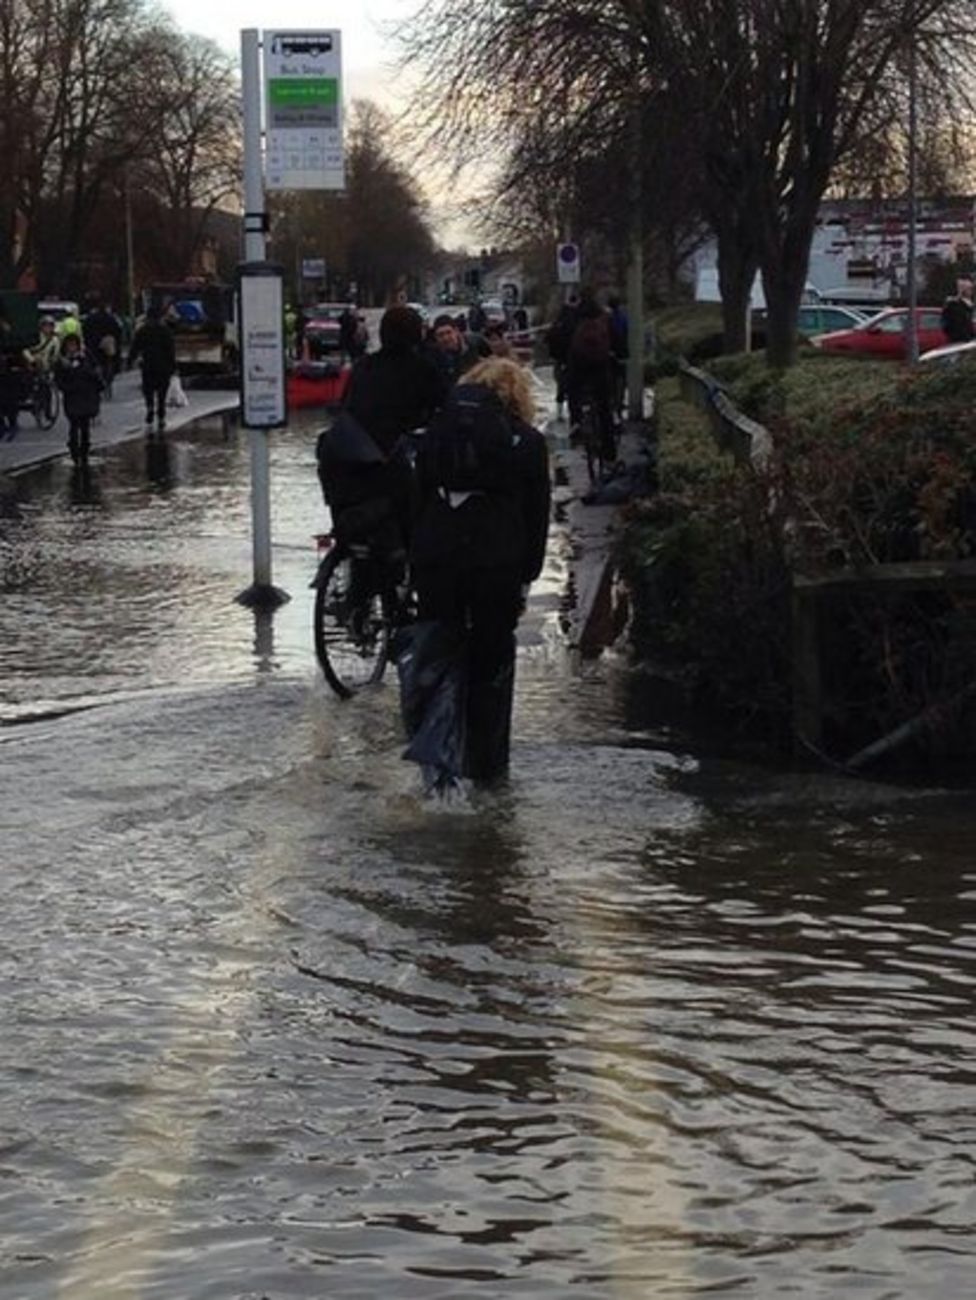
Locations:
column 154, row 346
column 391, row 392
column 76, row 374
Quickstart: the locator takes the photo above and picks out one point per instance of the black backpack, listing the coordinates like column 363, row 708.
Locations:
column 470, row 444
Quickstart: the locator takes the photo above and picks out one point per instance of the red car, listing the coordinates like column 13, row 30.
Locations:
column 885, row 335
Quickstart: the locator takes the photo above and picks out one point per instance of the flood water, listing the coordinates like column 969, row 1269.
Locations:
column 650, row 1023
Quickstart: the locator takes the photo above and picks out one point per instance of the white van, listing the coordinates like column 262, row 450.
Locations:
column 707, row 290
column 57, row 309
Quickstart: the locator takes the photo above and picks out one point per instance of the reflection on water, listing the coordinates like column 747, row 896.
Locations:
column 646, row 1023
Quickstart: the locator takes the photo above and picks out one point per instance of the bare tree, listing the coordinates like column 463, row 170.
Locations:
column 193, row 157
column 377, row 233
column 763, row 98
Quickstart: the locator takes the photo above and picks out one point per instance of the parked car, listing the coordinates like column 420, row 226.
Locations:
column 321, row 327
column 951, row 355
column 811, row 319
column 820, row 318
column 885, row 335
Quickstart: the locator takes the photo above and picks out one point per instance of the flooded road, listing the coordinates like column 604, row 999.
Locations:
column 650, row 1023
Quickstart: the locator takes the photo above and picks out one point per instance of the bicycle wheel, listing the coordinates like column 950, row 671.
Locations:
column 353, row 617
column 46, row 405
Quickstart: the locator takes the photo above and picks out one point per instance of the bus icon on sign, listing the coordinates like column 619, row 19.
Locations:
column 312, row 46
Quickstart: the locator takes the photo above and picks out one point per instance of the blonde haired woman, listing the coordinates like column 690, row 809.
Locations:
column 477, row 544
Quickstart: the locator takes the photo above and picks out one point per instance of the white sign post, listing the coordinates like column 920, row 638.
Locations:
column 303, row 106
column 302, row 97
column 262, row 593
column 261, row 308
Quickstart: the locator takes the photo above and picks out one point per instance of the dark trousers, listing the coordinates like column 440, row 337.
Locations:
column 560, row 370
column 79, row 436
column 154, row 390
column 486, row 603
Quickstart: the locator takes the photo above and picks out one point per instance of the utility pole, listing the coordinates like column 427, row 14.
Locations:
column 635, row 263
column 911, row 341
column 262, row 592
column 130, row 267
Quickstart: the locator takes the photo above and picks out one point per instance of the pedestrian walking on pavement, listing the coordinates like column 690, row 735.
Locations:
column 153, row 346
column 78, row 377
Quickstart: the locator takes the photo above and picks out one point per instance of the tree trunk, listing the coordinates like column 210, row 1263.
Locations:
column 785, row 257
column 784, row 292
column 736, row 273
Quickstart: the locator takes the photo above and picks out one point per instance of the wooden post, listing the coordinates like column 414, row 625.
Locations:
column 807, row 684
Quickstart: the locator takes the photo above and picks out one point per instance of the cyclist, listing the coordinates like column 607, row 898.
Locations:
column 391, row 392
column 590, row 371
column 43, row 355
column 42, row 359
column 558, row 338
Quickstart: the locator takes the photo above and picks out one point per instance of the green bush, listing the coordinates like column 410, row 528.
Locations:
column 886, row 474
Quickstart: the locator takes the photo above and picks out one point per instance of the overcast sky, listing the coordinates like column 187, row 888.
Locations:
column 367, row 53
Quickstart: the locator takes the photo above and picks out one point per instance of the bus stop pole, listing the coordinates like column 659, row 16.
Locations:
column 255, row 230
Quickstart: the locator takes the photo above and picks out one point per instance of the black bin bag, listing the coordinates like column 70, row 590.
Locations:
column 431, row 660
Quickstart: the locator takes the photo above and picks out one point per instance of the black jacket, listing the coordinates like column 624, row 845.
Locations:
column 81, row 384
column 452, row 365
column 391, row 393
column 560, row 333
column 504, row 529
column 957, row 320
column 153, row 343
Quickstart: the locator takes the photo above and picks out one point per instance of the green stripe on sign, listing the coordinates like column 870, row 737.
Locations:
column 303, row 92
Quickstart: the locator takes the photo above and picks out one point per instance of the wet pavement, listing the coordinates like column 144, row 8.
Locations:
column 651, row 1022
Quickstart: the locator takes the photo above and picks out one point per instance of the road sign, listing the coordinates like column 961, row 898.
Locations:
column 261, row 323
column 303, row 105
column 313, row 268
column 568, row 264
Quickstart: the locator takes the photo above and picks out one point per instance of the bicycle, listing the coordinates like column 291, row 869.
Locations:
column 43, row 399
column 359, row 603
column 362, row 595
column 599, row 456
